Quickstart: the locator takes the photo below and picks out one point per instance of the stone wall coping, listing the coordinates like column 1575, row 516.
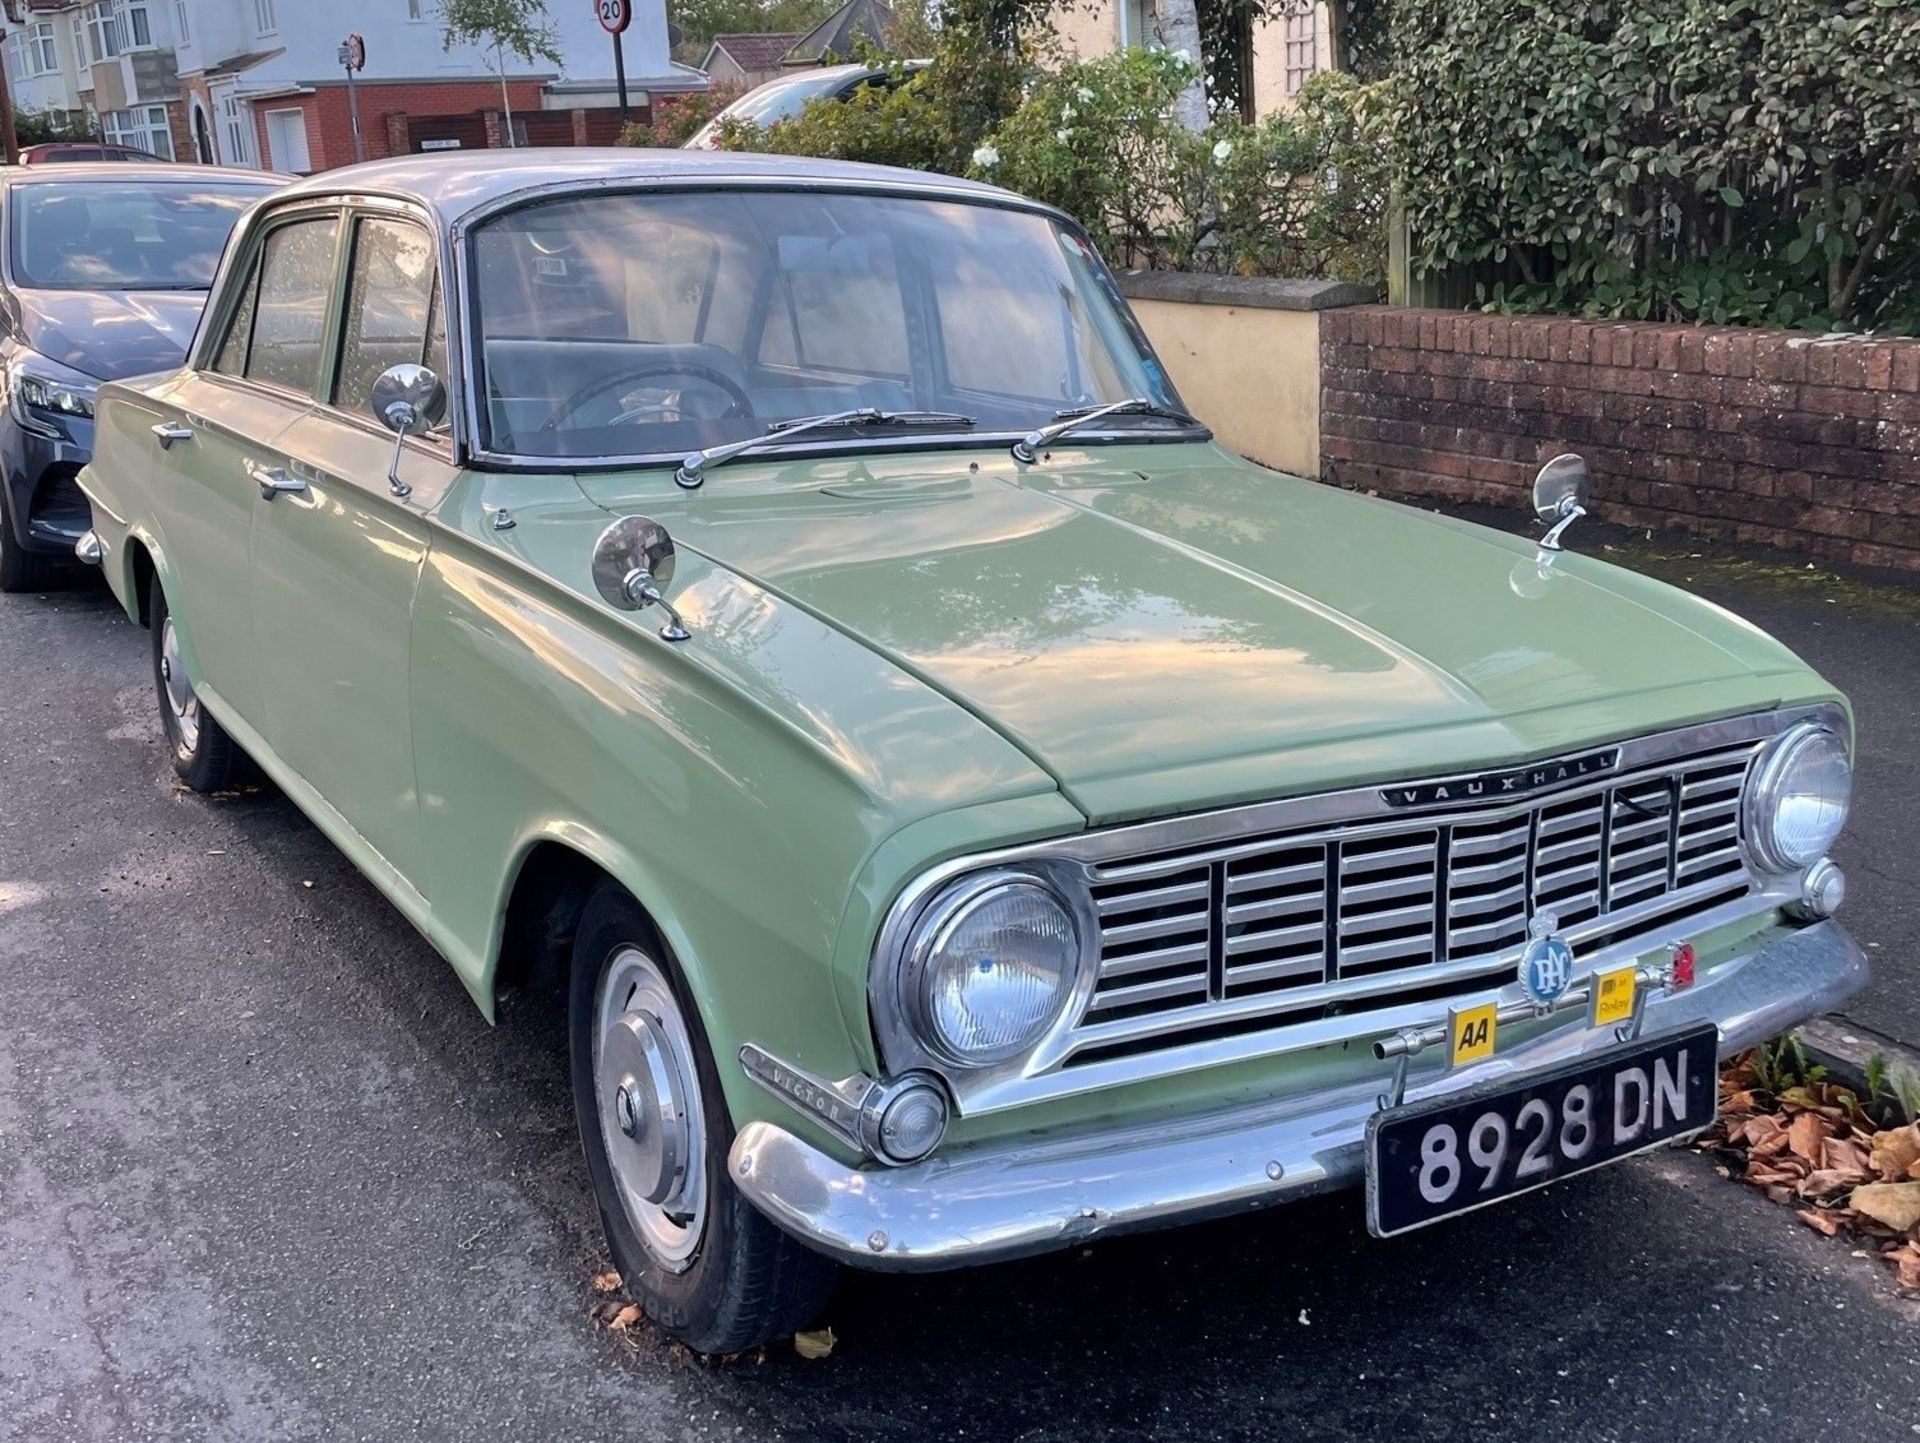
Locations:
column 1256, row 292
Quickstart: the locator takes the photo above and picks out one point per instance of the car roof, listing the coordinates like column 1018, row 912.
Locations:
column 144, row 171
column 454, row 184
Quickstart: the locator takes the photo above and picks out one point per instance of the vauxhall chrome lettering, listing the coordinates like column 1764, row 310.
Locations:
column 1491, row 786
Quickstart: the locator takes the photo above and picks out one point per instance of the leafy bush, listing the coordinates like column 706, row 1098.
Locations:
column 930, row 120
column 675, row 118
column 1725, row 160
column 1293, row 194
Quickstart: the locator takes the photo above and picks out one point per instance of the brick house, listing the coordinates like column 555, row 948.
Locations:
column 258, row 82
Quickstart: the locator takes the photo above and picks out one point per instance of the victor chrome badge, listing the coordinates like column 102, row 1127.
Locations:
column 1546, row 966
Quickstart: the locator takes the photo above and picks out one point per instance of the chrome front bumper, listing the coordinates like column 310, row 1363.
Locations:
column 1014, row 1197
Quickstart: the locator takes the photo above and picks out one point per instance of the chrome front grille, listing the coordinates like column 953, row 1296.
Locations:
column 1249, row 933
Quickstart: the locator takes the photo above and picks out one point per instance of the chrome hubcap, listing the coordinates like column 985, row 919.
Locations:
column 178, row 691
column 647, row 1093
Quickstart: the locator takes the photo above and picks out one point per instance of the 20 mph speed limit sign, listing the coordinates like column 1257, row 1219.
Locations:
column 615, row 15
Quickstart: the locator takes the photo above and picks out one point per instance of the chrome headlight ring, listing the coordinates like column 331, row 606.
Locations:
column 988, row 972
column 1797, row 798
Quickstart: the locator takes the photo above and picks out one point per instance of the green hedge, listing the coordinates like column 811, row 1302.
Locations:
column 1722, row 160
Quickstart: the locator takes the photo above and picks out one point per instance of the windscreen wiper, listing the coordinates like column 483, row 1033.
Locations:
column 1027, row 448
column 692, row 469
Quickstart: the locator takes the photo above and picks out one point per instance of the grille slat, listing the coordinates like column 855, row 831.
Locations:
column 1252, row 928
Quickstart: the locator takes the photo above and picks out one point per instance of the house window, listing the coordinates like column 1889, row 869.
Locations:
column 413, row 10
column 14, row 71
column 263, row 17
column 42, row 56
column 1136, row 24
column 180, row 22
column 1302, row 55
column 103, row 32
column 236, row 127
column 144, row 127
column 137, row 25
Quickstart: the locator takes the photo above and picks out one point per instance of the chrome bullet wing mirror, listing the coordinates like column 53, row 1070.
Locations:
column 1560, row 495
column 409, row 400
column 633, row 565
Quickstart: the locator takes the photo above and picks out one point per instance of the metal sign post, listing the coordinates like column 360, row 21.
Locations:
column 615, row 16
column 353, row 57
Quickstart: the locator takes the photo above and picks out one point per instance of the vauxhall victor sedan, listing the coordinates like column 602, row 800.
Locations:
column 969, row 809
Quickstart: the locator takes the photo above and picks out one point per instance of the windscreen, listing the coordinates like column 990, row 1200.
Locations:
column 651, row 323
column 121, row 235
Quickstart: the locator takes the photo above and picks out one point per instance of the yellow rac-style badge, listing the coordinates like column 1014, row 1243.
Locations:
column 1613, row 996
column 1470, row 1033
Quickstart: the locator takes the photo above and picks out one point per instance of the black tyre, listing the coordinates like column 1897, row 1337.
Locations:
column 695, row 1255
column 204, row 756
column 21, row 569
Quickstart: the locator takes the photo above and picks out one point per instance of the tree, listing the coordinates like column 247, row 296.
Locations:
column 519, row 26
column 1179, row 24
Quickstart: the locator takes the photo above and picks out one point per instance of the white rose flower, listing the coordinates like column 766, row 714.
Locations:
column 1222, row 149
column 1063, row 135
column 1086, row 94
column 986, row 157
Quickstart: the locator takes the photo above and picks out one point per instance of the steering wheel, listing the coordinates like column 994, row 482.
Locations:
column 739, row 403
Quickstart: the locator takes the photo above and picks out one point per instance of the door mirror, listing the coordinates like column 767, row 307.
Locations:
column 408, row 399
column 632, row 565
column 1560, row 495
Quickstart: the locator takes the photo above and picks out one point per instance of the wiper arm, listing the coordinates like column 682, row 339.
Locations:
column 1027, row 448
column 693, row 466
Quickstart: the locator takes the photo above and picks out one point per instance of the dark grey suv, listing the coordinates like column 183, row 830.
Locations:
column 103, row 274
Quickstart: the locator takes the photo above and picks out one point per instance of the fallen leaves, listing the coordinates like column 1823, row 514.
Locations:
column 607, row 1282
column 815, row 1344
column 625, row 1318
column 1815, row 1148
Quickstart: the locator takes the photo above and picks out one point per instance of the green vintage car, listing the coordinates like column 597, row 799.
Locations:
column 968, row 810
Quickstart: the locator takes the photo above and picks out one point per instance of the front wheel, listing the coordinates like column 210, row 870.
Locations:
column 699, row 1259
column 204, row 756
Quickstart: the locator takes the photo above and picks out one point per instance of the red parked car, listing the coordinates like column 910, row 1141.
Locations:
column 63, row 151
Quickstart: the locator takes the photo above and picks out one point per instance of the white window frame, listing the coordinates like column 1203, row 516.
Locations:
column 104, row 38
column 40, row 50
column 144, row 127
column 1300, row 49
column 180, row 22
column 416, row 10
column 264, row 19
column 234, row 135
column 16, row 64
column 130, row 10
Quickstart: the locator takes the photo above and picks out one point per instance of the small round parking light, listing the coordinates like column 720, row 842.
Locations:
column 907, row 1121
column 1822, row 891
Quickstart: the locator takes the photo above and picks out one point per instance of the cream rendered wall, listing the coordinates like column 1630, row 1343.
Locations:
column 1252, row 374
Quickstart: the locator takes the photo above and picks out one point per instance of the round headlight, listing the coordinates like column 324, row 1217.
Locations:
column 994, row 962
column 1797, row 798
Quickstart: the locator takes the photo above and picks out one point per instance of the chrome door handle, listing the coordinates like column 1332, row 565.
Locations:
column 167, row 432
column 273, row 482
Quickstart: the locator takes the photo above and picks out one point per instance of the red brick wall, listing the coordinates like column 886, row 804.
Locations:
column 1778, row 438
column 330, row 122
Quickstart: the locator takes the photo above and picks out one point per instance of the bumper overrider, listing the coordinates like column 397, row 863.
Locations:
column 1012, row 1197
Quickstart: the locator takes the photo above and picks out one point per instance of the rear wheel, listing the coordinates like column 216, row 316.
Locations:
column 204, row 756
column 21, row 569
column 696, row 1256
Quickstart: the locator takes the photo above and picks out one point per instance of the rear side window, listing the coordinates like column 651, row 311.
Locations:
column 287, row 311
column 389, row 313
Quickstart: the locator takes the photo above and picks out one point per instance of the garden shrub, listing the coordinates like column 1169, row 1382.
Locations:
column 675, row 118
column 1300, row 193
column 1721, row 160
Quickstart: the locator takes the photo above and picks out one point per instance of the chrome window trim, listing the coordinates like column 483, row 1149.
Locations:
column 350, row 207
column 1072, row 860
column 460, row 249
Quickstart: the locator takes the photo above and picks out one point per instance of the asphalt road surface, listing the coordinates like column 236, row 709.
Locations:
column 265, row 1173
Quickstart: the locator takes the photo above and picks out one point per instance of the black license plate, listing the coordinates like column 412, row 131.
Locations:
column 1431, row 1160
